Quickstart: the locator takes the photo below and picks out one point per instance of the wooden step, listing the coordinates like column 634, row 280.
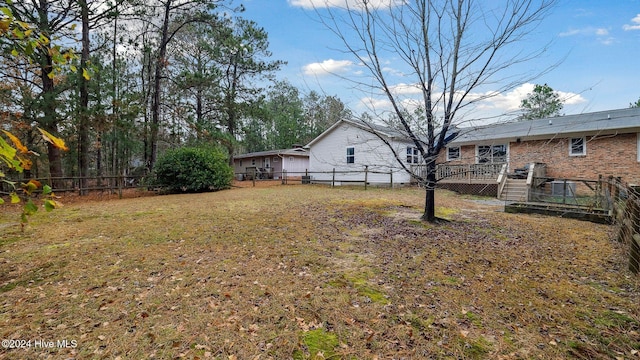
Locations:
column 514, row 190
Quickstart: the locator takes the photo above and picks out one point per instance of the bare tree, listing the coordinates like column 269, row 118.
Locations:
column 450, row 51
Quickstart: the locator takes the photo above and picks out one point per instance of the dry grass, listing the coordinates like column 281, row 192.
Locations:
column 311, row 272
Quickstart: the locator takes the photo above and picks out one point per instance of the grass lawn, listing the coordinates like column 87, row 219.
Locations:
column 310, row 272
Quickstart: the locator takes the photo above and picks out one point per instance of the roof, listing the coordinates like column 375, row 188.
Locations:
column 595, row 123
column 282, row 152
column 373, row 128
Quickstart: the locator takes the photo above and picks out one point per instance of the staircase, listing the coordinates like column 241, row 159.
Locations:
column 514, row 190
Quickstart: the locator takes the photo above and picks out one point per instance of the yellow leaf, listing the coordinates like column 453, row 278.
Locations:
column 25, row 163
column 57, row 142
column 14, row 198
column 31, row 186
column 18, row 144
column 85, row 74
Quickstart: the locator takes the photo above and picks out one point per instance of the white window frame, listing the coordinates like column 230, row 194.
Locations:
column 584, row 146
column 351, row 156
column 413, row 155
column 449, row 158
column 638, row 147
column 492, row 150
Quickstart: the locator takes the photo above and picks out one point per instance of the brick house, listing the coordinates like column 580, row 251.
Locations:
column 583, row 146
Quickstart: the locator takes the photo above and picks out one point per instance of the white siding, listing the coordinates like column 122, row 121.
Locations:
column 297, row 167
column 330, row 152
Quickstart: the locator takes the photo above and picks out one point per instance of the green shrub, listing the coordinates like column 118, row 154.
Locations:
column 193, row 169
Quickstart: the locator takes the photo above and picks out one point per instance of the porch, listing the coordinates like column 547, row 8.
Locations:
column 463, row 173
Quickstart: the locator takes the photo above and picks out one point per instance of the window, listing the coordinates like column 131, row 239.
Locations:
column 240, row 162
column 253, row 162
column 491, row 154
column 351, row 155
column 275, row 160
column 290, row 158
column 413, row 155
column 453, row 153
column 577, row 147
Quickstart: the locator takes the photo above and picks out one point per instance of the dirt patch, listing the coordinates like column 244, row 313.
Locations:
column 290, row 271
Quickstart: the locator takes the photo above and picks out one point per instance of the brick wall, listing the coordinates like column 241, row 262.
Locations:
column 606, row 155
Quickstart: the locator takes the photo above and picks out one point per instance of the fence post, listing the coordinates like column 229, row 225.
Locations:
column 634, row 218
column 284, row 177
column 391, row 179
column 366, row 176
column 333, row 179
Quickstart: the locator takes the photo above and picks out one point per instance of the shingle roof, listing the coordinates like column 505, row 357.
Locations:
column 595, row 123
column 387, row 131
column 282, row 152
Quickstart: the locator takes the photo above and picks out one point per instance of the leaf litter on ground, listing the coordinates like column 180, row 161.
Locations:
column 313, row 272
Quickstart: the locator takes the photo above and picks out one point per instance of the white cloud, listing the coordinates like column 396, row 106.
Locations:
column 354, row 4
column 488, row 105
column 327, row 67
column 510, row 101
column 601, row 34
column 635, row 26
column 405, row 89
column 588, row 31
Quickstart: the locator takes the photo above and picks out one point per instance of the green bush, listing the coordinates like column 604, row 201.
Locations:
column 193, row 169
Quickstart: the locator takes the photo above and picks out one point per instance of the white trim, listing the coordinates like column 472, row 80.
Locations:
column 348, row 156
column 638, row 147
column 506, row 152
column 584, row 146
column 459, row 153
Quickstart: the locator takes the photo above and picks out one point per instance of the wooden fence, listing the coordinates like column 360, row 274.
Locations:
column 333, row 177
column 626, row 215
column 82, row 185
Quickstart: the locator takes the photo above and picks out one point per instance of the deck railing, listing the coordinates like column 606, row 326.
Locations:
column 462, row 173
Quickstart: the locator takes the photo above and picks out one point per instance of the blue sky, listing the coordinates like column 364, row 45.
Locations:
column 599, row 41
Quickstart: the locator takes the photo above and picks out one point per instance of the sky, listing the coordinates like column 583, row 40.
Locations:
column 596, row 44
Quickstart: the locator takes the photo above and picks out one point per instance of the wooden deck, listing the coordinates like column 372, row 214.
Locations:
column 463, row 173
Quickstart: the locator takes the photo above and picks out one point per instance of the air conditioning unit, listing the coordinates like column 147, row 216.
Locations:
column 558, row 188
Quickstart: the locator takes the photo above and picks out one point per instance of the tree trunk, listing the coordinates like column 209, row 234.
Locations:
column 155, row 104
column 83, row 126
column 430, row 194
column 48, row 97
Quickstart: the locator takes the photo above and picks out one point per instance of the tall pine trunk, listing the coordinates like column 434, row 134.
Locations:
column 83, row 111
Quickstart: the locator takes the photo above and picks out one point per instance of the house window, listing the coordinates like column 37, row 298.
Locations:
column 412, row 155
column 240, row 162
column 577, row 146
column 453, row 153
column 275, row 160
column 290, row 158
column 253, row 162
column 351, row 155
column 492, row 154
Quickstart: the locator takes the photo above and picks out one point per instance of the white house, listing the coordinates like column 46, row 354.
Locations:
column 273, row 164
column 349, row 147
